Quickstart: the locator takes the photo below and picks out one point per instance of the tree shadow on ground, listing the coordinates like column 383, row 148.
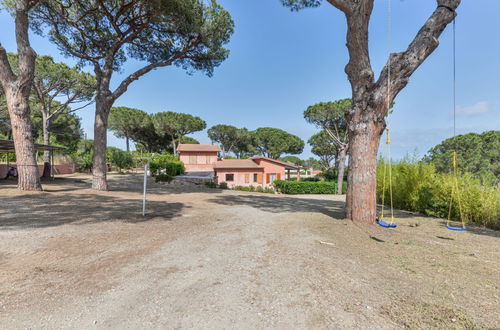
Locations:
column 274, row 204
column 48, row 210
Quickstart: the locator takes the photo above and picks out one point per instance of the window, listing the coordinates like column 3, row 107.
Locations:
column 247, row 178
column 192, row 160
column 255, row 177
column 208, row 162
column 229, row 177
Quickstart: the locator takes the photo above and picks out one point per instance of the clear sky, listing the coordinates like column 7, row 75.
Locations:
column 283, row 61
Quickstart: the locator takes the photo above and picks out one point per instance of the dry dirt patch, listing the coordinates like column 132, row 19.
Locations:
column 206, row 258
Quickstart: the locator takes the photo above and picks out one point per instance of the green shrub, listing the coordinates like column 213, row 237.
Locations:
column 85, row 162
column 223, row 185
column 163, row 177
column 313, row 179
column 244, row 188
column 121, row 159
column 329, row 174
column 418, row 187
column 211, row 184
column 307, row 187
column 166, row 164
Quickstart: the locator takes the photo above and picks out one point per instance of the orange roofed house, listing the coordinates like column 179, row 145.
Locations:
column 255, row 171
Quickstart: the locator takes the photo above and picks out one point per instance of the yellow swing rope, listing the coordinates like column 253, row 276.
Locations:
column 387, row 160
column 455, row 191
column 387, row 168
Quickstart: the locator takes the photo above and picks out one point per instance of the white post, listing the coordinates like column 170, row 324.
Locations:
column 145, row 189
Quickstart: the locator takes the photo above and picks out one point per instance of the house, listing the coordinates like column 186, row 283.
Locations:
column 255, row 171
column 198, row 157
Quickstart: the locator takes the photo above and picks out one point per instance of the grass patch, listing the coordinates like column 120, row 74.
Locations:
column 423, row 315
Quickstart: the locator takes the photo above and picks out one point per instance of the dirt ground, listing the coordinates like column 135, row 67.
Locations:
column 207, row 258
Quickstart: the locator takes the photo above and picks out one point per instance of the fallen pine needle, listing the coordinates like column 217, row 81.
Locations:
column 326, row 243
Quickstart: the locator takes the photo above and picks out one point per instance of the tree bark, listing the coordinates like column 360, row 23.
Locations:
column 99, row 167
column 22, row 133
column 341, row 169
column 362, row 176
column 17, row 90
column 127, row 143
column 371, row 100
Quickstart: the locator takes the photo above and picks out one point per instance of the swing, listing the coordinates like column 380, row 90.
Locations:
column 455, row 191
column 387, row 165
column 387, row 161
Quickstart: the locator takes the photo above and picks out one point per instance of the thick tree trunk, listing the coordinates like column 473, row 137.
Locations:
column 127, row 143
column 46, row 153
column 27, row 169
column 99, row 167
column 361, row 203
column 341, row 168
column 17, row 90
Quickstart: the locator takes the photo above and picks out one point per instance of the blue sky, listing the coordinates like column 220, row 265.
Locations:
column 283, row 61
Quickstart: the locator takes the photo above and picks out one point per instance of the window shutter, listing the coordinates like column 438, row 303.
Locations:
column 268, row 178
column 259, row 178
column 279, row 176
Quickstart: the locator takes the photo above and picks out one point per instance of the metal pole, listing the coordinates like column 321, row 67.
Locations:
column 145, row 189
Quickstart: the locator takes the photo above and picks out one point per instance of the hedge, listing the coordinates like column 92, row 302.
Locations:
column 165, row 167
column 307, row 187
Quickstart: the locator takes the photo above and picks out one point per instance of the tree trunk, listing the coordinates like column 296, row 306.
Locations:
column 99, row 167
column 17, row 89
column 127, row 143
column 364, row 140
column 340, row 169
column 46, row 153
column 174, row 147
column 22, row 133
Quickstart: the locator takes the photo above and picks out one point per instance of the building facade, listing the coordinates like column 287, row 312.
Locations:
column 255, row 171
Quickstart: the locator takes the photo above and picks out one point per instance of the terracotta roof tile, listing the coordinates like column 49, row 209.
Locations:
column 280, row 162
column 197, row 147
column 236, row 163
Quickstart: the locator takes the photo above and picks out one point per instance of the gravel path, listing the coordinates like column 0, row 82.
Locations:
column 211, row 259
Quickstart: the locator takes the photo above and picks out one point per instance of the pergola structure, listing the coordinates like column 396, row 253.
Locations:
column 7, row 146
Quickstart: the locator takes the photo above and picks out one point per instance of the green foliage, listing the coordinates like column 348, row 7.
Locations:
column 177, row 125
column 83, row 155
column 419, row 187
column 139, row 127
column 312, row 163
column 478, row 154
column 329, row 116
column 163, row 177
column 223, row 185
column 300, row 4
column 292, row 159
column 127, row 122
column 244, row 147
column 189, row 140
column 225, row 135
column 307, row 187
column 211, row 184
column 273, row 142
column 121, row 159
column 255, row 189
column 324, row 147
column 187, row 33
column 166, row 164
column 329, row 174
